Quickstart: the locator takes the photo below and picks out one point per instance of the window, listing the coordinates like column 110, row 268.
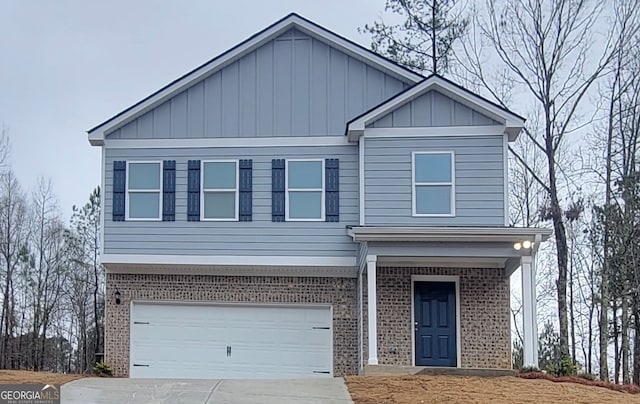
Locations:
column 220, row 190
column 143, row 190
column 433, row 184
column 305, row 190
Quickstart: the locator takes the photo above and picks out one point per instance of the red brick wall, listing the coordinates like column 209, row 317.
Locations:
column 485, row 320
column 339, row 292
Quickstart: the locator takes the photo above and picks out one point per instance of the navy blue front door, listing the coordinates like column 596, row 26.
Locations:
column 435, row 323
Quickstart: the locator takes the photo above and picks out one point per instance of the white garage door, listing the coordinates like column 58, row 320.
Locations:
column 230, row 341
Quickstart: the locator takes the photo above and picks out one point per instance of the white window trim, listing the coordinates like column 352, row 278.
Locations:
column 451, row 183
column 140, row 191
column 203, row 190
column 322, row 191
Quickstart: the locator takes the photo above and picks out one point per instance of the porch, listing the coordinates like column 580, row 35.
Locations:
column 440, row 298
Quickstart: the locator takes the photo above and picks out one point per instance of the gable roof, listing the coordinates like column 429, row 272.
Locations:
column 512, row 122
column 293, row 20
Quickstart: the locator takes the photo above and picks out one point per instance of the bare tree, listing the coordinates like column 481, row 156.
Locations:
column 13, row 237
column 546, row 48
column 48, row 266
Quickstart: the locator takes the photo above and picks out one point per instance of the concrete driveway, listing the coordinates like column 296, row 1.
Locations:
column 104, row 390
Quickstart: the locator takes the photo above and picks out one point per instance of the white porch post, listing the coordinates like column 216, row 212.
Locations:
column 372, row 310
column 529, row 311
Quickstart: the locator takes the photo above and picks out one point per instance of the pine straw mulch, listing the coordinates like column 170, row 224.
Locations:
column 466, row 389
column 26, row 377
column 627, row 388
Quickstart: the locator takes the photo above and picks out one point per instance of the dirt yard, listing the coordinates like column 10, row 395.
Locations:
column 458, row 389
column 25, row 376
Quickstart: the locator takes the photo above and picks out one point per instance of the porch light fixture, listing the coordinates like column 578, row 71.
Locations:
column 526, row 244
column 117, row 296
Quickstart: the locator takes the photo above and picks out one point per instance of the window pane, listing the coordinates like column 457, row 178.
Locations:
column 144, row 205
column 305, row 205
column 433, row 167
column 220, row 175
column 433, row 199
column 144, row 176
column 305, row 174
column 220, row 205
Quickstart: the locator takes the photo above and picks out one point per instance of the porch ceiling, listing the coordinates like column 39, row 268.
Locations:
column 444, row 262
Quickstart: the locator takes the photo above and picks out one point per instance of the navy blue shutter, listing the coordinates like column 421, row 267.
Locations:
column 169, row 190
column 277, row 190
column 245, row 189
column 332, row 196
column 119, row 185
column 193, row 190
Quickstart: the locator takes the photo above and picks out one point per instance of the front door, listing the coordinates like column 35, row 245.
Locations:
column 435, row 323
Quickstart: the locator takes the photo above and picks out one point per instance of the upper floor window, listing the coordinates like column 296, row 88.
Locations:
column 220, row 190
column 433, row 184
column 143, row 190
column 305, row 190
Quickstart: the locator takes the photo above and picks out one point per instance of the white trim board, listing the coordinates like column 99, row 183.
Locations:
column 434, row 131
column 513, row 123
column 361, row 174
column 246, row 270
column 455, row 234
column 436, row 278
column 97, row 134
column 103, row 173
column 276, row 141
column 505, row 197
column 229, row 260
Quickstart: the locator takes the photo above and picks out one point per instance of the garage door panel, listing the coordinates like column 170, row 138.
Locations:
column 191, row 341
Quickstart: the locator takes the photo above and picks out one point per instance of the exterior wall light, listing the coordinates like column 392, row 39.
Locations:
column 117, row 296
column 526, row 244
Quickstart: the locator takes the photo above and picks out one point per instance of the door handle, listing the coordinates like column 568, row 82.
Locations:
column 228, row 350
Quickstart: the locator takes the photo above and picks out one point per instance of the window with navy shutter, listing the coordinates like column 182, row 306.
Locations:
column 277, row 190
column 305, row 190
column 332, row 197
column 169, row 190
column 119, row 189
column 193, row 191
column 144, row 190
column 245, row 190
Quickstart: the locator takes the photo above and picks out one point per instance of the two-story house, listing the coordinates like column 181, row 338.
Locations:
column 300, row 206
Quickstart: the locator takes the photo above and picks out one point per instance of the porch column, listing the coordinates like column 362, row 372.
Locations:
column 529, row 311
column 372, row 312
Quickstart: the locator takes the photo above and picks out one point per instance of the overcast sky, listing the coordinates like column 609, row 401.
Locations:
column 67, row 65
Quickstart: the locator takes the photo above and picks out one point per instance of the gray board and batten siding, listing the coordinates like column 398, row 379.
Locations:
column 294, row 85
column 259, row 237
column 433, row 109
column 479, row 180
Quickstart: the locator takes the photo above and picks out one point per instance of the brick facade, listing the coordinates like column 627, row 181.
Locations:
column 485, row 321
column 484, row 310
column 339, row 292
